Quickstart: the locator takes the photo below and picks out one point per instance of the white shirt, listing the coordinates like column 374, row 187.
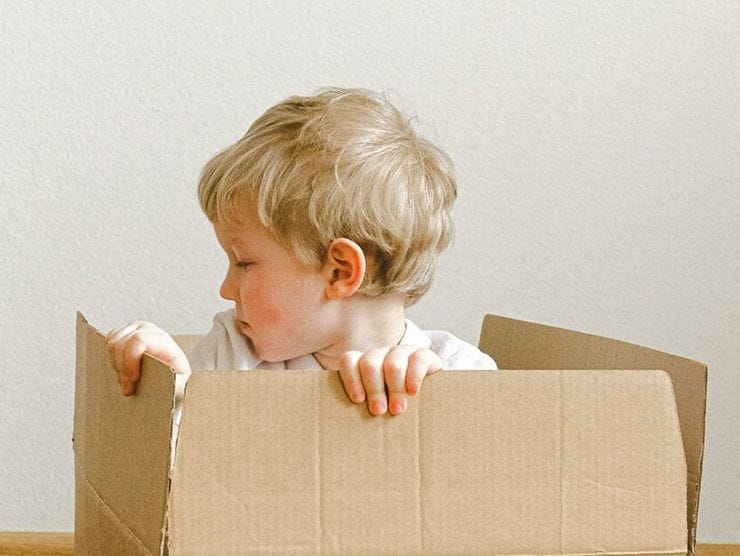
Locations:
column 226, row 348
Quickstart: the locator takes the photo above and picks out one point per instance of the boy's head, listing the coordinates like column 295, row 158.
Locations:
column 344, row 163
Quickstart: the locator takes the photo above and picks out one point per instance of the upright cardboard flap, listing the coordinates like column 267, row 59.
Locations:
column 516, row 344
column 186, row 341
column 121, row 447
column 481, row 463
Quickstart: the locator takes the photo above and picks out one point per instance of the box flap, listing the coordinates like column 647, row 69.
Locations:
column 516, row 344
column 121, row 447
column 481, row 462
column 186, row 341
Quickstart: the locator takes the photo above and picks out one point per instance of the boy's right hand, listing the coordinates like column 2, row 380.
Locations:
column 127, row 344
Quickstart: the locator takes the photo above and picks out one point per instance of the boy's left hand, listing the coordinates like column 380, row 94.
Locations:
column 402, row 368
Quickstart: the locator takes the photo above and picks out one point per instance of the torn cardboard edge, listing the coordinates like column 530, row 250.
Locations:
column 153, row 486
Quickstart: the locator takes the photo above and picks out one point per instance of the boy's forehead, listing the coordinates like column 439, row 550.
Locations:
column 239, row 234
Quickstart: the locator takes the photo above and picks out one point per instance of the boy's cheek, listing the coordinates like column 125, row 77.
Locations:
column 271, row 317
column 263, row 310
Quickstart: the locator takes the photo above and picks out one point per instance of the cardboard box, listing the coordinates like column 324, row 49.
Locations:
column 483, row 462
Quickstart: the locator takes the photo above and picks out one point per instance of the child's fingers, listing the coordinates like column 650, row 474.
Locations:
column 130, row 370
column 118, row 338
column 117, row 333
column 128, row 343
column 158, row 344
column 349, row 372
column 394, row 370
column 114, row 344
column 162, row 346
column 179, row 361
column 371, row 372
column 421, row 363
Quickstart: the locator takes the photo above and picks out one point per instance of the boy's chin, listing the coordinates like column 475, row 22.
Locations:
column 267, row 355
column 276, row 356
column 270, row 355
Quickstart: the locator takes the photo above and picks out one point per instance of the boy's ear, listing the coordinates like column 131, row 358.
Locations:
column 345, row 268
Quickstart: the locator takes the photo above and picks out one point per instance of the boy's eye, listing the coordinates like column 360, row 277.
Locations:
column 242, row 264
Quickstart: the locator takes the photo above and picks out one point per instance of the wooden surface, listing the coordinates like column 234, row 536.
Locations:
column 718, row 549
column 62, row 544
column 47, row 544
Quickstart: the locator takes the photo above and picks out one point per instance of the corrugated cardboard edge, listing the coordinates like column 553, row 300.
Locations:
column 119, row 508
column 186, row 343
column 512, row 344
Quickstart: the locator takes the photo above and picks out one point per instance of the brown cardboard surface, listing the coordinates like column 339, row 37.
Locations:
column 186, row 341
column 121, row 447
column 542, row 461
column 517, row 344
column 482, row 463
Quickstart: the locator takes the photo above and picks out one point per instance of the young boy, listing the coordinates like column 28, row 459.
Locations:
column 332, row 212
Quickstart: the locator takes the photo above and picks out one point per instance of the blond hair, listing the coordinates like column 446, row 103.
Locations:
column 342, row 163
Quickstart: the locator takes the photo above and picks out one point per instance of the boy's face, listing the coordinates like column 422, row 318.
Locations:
column 280, row 305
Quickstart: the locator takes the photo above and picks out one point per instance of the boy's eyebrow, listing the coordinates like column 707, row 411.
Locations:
column 243, row 251
column 241, row 244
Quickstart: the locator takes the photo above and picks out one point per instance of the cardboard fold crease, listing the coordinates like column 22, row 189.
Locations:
column 584, row 445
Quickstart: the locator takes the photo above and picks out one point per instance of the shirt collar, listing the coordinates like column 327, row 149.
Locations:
column 414, row 336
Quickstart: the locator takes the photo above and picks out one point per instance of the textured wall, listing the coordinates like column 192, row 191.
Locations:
column 597, row 147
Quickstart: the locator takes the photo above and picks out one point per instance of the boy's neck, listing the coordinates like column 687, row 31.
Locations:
column 368, row 324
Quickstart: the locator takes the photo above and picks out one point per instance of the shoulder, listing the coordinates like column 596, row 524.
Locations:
column 457, row 354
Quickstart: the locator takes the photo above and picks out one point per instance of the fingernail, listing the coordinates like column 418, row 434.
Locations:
column 399, row 406
column 378, row 408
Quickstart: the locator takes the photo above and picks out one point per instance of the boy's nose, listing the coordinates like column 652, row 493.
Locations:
column 226, row 291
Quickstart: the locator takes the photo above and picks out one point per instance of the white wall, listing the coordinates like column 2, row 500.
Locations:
column 597, row 147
